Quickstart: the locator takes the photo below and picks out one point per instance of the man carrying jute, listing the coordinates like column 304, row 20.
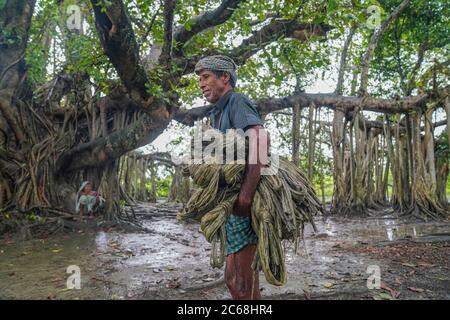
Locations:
column 233, row 110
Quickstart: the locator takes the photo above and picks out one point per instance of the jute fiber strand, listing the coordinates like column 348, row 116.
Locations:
column 284, row 202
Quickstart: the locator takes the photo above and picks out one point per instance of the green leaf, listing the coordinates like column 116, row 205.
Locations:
column 187, row 25
column 385, row 296
column 332, row 6
column 273, row 51
column 278, row 81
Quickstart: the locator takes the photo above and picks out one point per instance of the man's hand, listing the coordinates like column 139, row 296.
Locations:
column 242, row 206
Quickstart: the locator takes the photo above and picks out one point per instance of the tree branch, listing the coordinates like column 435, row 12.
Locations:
column 274, row 30
column 326, row 100
column 267, row 17
column 373, row 44
column 205, row 21
column 166, row 53
column 189, row 116
column 163, row 157
column 347, row 103
column 343, row 63
column 119, row 43
column 150, row 27
column 98, row 152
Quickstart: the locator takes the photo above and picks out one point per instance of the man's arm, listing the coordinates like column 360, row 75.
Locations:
column 255, row 161
column 81, row 209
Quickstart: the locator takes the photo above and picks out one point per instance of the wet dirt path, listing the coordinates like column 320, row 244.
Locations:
column 171, row 261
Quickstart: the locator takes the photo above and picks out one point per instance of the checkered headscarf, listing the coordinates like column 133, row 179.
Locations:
column 218, row 63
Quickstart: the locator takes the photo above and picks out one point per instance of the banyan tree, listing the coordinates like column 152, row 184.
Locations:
column 84, row 83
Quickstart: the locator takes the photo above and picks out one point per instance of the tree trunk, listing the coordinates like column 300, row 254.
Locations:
column 447, row 111
column 337, row 137
column 311, row 141
column 426, row 204
column 359, row 187
column 429, row 149
column 143, row 193
column 152, row 196
column 296, row 113
column 180, row 187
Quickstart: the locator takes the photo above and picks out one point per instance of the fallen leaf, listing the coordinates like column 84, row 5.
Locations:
column 424, row 264
column 408, row 265
column 113, row 244
column 328, row 285
column 391, row 291
column 415, row 289
column 56, row 250
column 385, row 296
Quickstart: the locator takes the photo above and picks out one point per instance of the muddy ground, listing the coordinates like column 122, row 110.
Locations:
column 171, row 261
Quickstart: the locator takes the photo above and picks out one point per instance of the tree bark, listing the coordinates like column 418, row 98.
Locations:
column 296, row 114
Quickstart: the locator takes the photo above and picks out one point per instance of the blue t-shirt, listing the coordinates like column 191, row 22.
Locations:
column 234, row 111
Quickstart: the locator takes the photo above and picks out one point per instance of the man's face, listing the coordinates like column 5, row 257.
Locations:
column 213, row 87
column 88, row 188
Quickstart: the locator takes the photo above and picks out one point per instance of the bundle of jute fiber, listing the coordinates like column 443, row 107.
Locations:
column 283, row 203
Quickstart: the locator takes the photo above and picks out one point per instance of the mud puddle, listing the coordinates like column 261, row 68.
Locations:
column 171, row 261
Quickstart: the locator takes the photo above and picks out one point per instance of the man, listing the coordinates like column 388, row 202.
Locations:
column 235, row 111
